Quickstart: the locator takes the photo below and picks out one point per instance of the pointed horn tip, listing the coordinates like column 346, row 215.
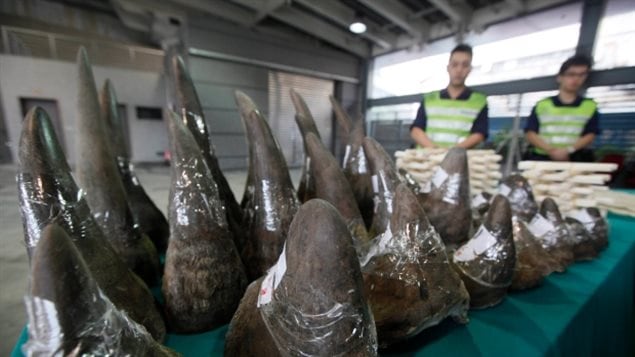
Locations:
column 54, row 238
column 82, row 57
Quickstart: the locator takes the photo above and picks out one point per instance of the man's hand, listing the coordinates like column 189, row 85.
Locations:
column 559, row 154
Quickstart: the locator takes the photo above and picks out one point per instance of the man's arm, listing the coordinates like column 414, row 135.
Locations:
column 479, row 130
column 421, row 138
column 554, row 153
column 471, row 141
column 583, row 141
column 418, row 128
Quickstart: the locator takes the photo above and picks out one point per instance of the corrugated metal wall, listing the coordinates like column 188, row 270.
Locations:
column 216, row 79
column 215, row 82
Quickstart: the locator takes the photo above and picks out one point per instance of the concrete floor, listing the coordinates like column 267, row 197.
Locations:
column 14, row 267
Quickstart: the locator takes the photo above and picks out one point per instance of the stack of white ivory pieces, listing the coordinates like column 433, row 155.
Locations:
column 484, row 166
column 576, row 185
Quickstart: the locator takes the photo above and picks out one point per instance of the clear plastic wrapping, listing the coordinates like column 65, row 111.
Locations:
column 595, row 224
column 553, row 234
column 447, row 201
column 486, row 262
column 312, row 300
column 520, row 195
column 485, row 258
column 533, row 262
column 48, row 194
column 480, row 204
column 409, row 281
column 340, row 329
column 44, row 199
column 204, row 277
column 583, row 247
column 107, row 333
column 68, row 314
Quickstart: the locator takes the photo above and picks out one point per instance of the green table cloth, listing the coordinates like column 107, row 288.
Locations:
column 586, row 311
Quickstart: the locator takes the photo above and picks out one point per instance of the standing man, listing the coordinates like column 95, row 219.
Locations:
column 562, row 126
column 455, row 116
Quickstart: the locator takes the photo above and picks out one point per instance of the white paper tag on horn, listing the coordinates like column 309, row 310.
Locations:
column 272, row 279
column 361, row 161
column 347, row 152
column 478, row 200
column 426, row 187
column 481, row 242
column 504, row 190
column 582, row 215
column 439, row 177
column 539, row 225
column 375, row 182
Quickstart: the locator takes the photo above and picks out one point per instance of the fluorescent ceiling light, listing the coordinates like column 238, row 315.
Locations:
column 357, row 27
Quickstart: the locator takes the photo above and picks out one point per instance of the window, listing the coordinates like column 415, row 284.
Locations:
column 615, row 39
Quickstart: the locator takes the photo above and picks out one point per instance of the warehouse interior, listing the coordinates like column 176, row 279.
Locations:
column 267, row 48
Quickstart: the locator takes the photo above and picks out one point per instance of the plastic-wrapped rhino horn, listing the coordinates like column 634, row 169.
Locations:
column 48, row 194
column 583, row 245
column 385, row 179
column 204, row 276
column 312, row 300
column 551, row 229
column 272, row 201
column 358, row 173
column 533, row 262
column 306, row 187
column 409, row 281
column 97, row 173
column 520, row 195
column 331, row 185
column 486, row 262
column 447, row 203
column 68, row 313
column 145, row 213
column 306, row 123
column 595, row 224
column 340, row 115
column 191, row 112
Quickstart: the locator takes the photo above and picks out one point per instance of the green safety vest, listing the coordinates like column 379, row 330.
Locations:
column 449, row 121
column 561, row 126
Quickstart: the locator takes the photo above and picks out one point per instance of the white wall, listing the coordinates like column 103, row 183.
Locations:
column 48, row 79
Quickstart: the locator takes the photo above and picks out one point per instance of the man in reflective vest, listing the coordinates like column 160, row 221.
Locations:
column 455, row 116
column 562, row 126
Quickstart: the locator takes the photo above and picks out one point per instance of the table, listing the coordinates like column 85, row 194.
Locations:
column 586, row 311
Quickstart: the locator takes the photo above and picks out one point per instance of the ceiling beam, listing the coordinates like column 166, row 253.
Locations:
column 400, row 16
column 263, row 8
column 316, row 27
column 344, row 15
column 480, row 19
column 222, row 9
column 457, row 11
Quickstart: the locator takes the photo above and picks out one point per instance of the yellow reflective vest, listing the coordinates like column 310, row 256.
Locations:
column 561, row 126
column 449, row 121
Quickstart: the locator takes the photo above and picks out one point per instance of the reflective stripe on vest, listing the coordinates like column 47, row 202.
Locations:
column 449, row 121
column 560, row 127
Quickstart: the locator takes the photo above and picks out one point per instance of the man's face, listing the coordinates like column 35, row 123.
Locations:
column 573, row 78
column 459, row 67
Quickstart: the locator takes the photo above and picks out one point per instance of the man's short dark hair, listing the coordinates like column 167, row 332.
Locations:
column 462, row 48
column 577, row 60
